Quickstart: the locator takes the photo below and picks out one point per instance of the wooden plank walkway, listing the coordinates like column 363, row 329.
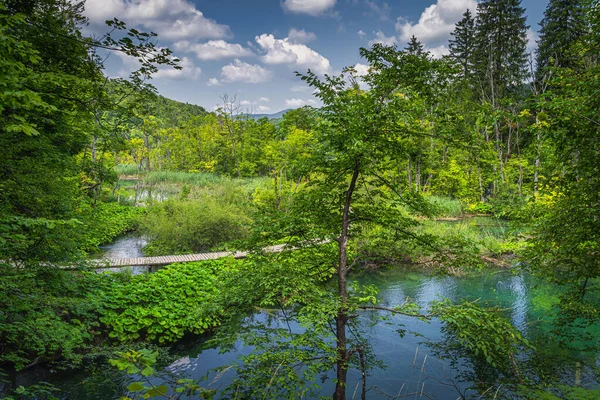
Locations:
column 166, row 260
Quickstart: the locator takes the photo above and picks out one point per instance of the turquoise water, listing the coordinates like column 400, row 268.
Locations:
column 411, row 366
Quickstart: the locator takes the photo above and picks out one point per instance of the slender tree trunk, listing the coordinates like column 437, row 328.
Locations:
column 342, row 317
column 538, row 156
column 520, row 164
column 409, row 174
column 418, row 175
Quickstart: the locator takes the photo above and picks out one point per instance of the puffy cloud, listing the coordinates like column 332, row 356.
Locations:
column 264, row 99
column 263, row 109
column 361, row 69
column 361, row 34
column 381, row 38
column 300, row 102
column 532, row 38
column 171, row 19
column 188, row 69
column 439, row 51
column 436, row 22
column 239, row 71
column 282, row 51
column 245, row 103
column 310, row 7
column 213, row 82
column 300, row 36
column 214, row 49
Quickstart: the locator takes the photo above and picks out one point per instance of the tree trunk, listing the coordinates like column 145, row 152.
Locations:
column 538, row 156
column 342, row 317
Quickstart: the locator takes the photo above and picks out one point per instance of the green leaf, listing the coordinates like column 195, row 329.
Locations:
column 135, row 387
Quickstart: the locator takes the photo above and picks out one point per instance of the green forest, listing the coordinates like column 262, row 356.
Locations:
column 482, row 164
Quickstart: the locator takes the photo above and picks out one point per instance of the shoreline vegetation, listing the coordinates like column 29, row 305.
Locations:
column 464, row 166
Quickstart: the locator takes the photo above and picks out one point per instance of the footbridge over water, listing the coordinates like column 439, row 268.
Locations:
column 159, row 261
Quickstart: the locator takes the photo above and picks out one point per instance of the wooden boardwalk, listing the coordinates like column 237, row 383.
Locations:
column 166, row 260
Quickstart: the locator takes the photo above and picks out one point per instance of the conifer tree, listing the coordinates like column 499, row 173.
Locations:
column 563, row 24
column 414, row 47
column 501, row 41
column 462, row 45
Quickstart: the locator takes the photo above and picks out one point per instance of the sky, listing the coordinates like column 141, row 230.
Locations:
column 249, row 49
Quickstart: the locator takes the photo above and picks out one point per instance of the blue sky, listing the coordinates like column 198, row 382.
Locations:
column 250, row 48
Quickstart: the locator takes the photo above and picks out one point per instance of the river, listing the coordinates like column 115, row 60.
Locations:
column 411, row 366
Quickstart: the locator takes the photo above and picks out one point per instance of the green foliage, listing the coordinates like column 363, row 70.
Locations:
column 482, row 335
column 164, row 306
column 447, row 207
column 48, row 314
column 193, row 226
column 38, row 391
column 142, row 362
column 106, row 221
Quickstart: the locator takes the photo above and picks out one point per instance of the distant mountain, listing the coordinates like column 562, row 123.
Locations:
column 276, row 115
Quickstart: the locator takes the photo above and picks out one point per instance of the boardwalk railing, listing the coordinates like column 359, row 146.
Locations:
column 166, row 260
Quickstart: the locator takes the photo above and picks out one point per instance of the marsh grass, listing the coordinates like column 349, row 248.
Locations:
column 446, row 206
column 126, row 169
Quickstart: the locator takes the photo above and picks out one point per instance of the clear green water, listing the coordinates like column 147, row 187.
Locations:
column 407, row 371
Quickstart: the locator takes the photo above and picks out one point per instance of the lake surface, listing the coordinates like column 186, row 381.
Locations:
column 411, row 366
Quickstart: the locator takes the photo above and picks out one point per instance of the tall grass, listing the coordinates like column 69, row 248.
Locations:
column 188, row 178
column 126, row 169
column 447, row 207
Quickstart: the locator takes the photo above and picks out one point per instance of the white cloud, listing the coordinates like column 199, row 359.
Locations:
column 245, row 103
column 381, row 38
column 300, row 102
column 263, row 109
column 213, row 82
column 382, row 11
column 361, row 69
column 188, row 69
column 361, row 34
column 282, row 51
column 439, row 51
column 264, row 99
column 300, row 88
column 436, row 22
column 171, row 19
column 300, row 36
column 213, row 49
column 239, row 71
column 311, row 7
column 532, row 38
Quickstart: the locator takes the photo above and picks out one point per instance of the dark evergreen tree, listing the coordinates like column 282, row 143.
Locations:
column 563, row 24
column 462, row 45
column 414, row 47
column 501, row 42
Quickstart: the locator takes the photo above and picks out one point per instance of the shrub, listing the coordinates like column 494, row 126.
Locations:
column 165, row 305
column 47, row 314
column 106, row 221
column 192, row 226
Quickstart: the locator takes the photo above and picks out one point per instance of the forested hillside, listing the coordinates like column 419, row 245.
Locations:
column 378, row 177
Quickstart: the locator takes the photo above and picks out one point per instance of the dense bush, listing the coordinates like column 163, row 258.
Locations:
column 165, row 305
column 192, row 226
column 48, row 314
column 104, row 222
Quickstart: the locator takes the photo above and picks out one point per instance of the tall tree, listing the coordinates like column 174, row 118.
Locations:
column 563, row 25
column 414, row 47
column 501, row 43
column 462, row 45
